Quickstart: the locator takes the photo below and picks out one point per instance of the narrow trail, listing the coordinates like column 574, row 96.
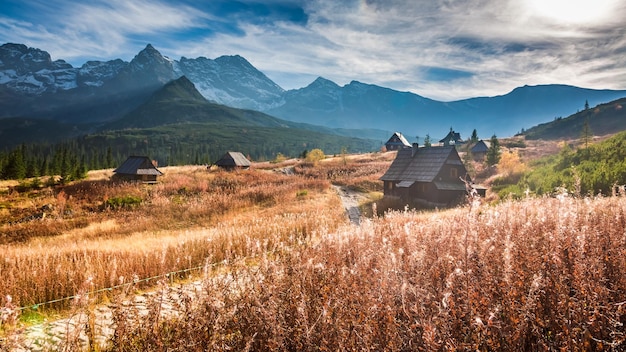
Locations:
column 71, row 332
column 351, row 200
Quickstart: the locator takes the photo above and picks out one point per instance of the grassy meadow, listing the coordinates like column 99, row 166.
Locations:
column 541, row 273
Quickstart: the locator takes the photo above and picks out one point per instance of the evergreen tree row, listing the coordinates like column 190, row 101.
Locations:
column 72, row 159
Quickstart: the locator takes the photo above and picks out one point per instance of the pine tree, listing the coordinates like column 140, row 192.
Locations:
column 65, row 171
column 109, row 158
column 44, row 168
column 474, row 137
column 427, row 142
column 81, row 169
column 15, row 167
column 493, row 153
column 586, row 134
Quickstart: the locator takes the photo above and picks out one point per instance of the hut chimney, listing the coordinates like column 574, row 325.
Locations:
column 414, row 149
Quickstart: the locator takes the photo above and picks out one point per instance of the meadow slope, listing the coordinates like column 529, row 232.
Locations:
column 541, row 273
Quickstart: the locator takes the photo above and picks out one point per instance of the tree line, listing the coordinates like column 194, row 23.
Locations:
column 72, row 159
column 67, row 160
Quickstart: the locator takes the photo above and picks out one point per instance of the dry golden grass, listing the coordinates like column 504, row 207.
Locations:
column 189, row 218
column 539, row 274
column 536, row 274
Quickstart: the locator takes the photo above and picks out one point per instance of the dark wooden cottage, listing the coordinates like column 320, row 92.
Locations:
column 430, row 175
column 233, row 160
column 137, row 168
column 480, row 149
column 452, row 138
column 397, row 142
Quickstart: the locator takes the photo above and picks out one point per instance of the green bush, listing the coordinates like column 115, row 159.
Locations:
column 122, row 202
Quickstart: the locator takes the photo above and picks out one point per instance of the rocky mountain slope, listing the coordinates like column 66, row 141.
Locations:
column 34, row 86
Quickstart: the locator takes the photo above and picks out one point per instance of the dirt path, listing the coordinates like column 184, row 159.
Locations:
column 351, row 200
column 71, row 332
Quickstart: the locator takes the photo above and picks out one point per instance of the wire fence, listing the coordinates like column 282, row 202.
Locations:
column 108, row 289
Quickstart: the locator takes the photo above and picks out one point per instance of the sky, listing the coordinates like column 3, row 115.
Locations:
column 440, row 49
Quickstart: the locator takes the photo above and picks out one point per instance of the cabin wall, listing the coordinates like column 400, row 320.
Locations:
column 136, row 178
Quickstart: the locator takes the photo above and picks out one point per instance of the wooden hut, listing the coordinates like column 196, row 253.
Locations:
column 480, row 149
column 452, row 138
column 431, row 175
column 233, row 160
column 397, row 142
column 137, row 168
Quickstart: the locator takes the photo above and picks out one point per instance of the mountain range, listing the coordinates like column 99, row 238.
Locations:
column 94, row 96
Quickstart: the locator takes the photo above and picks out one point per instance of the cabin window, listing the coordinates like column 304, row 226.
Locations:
column 454, row 173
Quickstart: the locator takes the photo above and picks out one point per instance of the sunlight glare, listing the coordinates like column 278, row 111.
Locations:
column 572, row 11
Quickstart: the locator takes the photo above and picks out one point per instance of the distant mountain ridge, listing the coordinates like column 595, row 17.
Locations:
column 98, row 93
column 180, row 102
column 358, row 104
column 601, row 120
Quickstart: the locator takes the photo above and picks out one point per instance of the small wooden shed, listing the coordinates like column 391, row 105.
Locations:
column 452, row 138
column 480, row 149
column 233, row 160
column 137, row 168
column 397, row 142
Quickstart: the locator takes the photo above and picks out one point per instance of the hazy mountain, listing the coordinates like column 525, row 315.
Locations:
column 601, row 120
column 178, row 119
column 231, row 80
column 179, row 102
column 34, row 86
column 358, row 104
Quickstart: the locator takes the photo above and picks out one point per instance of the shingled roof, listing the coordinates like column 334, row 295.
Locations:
column 423, row 166
column 233, row 159
column 138, row 165
column 451, row 137
column 397, row 140
column 481, row 146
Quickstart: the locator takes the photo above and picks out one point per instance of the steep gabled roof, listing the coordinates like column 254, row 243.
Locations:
column 421, row 165
column 398, row 138
column 138, row 165
column 451, row 136
column 233, row 159
column 481, row 146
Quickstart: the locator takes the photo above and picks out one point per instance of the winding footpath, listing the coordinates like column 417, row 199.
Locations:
column 351, row 200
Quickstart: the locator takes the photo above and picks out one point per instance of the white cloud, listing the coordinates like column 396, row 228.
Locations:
column 495, row 45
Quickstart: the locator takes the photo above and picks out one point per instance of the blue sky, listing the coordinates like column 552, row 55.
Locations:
column 440, row 49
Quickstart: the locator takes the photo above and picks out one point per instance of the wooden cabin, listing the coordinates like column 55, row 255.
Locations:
column 480, row 149
column 233, row 160
column 137, row 168
column 397, row 142
column 429, row 175
column 452, row 138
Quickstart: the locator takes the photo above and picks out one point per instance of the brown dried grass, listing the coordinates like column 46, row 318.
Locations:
column 539, row 274
column 189, row 218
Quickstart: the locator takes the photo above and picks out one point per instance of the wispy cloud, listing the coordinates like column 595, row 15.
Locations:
column 444, row 49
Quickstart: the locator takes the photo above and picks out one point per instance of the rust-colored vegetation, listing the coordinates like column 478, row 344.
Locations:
column 534, row 274
column 537, row 274
column 54, row 239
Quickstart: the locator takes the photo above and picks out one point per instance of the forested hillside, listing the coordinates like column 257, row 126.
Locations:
column 599, row 120
column 588, row 169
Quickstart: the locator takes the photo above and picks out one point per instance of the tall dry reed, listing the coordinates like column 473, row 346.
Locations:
column 192, row 217
column 540, row 274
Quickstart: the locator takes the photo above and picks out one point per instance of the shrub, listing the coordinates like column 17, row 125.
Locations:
column 127, row 201
column 315, row 155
